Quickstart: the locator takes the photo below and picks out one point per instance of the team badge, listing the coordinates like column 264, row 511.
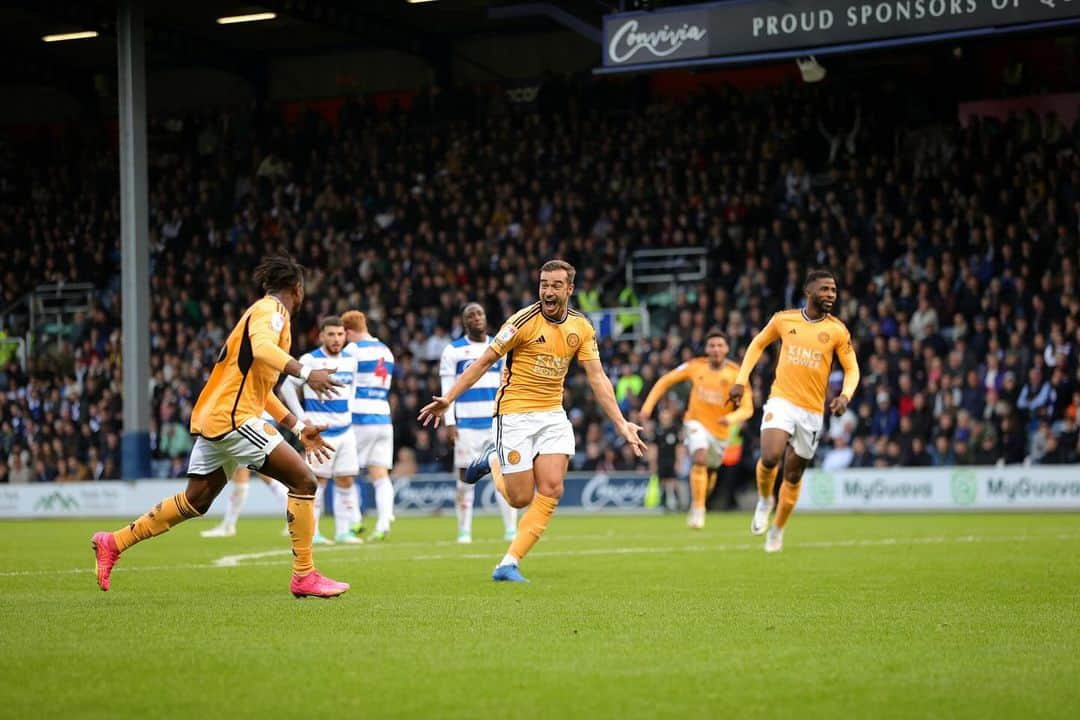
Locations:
column 823, row 337
column 513, row 457
column 269, row 429
column 573, row 340
column 768, row 417
column 277, row 322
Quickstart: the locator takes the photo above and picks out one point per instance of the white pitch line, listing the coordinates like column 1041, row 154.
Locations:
column 235, row 560
column 648, row 550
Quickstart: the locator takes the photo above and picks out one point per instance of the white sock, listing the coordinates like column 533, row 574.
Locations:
column 320, row 490
column 237, row 498
column 354, row 503
column 384, row 504
column 466, row 495
column 508, row 559
column 343, row 509
column 279, row 491
column 509, row 513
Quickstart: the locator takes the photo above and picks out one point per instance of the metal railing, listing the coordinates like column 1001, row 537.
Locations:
column 625, row 323
column 675, row 265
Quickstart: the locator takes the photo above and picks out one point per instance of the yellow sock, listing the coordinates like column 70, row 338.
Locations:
column 170, row 511
column 713, row 475
column 789, row 495
column 533, row 524
column 766, row 480
column 699, row 486
column 300, row 512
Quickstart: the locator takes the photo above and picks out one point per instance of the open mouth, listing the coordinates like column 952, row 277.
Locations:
column 549, row 305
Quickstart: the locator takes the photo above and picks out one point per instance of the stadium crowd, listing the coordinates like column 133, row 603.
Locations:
column 956, row 251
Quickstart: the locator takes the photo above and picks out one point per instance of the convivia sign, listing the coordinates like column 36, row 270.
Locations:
column 729, row 32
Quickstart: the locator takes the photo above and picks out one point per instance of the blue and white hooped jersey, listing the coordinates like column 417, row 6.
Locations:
column 333, row 412
column 371, row 385
column 476, row 406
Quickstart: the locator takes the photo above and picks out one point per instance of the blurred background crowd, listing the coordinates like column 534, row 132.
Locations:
column 956, row 250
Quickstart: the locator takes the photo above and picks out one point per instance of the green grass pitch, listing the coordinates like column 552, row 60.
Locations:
column 899, row 616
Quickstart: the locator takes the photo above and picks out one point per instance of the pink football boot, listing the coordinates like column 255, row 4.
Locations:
column 315, row 585
column 106, row 555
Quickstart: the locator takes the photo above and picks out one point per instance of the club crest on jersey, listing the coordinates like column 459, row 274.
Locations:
column 513, row 457
column 277, row 322
column 269, row 429
column 506, row 334
column 573, row 340
column 823, row 337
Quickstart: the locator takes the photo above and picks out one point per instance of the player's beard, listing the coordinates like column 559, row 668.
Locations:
column 819, row 306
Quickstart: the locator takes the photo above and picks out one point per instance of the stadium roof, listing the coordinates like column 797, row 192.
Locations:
column 185, row 33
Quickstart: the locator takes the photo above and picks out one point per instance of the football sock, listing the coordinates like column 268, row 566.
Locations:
column 766, row 479
column 343, row 509
column 354, row 503
column 384, row 504
column 699, row 486
column 300, row 515
column 170, row 511
column 320, row 493
column 713, row 474
column 533, row 524
column 466, row 495
column 237, row 498
column 789, row 495
column 279, row 491
column 509, row 513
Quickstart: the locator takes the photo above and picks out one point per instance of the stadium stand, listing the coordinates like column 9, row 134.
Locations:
column 956, row 247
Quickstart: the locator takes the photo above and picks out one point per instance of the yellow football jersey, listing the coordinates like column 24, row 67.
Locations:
column 241, row 387
column 708, row 394
column 807, row 348
column 538, row 354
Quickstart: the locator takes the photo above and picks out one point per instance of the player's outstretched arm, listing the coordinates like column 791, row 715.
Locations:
column 290, row 394
column 605, row 395
column 663, row 384
column 315, row 447
column 845, row 353
column 434, row 410
column 768, row 335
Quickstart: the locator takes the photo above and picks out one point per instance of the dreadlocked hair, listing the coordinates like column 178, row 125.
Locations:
column 278, row 272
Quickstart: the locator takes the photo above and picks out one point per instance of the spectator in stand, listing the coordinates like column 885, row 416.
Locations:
column 957, row 248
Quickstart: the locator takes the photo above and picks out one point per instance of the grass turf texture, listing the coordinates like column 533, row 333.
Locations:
column 971, row 616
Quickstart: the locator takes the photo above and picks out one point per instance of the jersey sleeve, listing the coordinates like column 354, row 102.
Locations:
column 447, row 366
column 508, row 338
column 588, row 350
column 663, row 384
column 768, row 335
column 265, row 328
column 845, row 353
column 447, row 374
